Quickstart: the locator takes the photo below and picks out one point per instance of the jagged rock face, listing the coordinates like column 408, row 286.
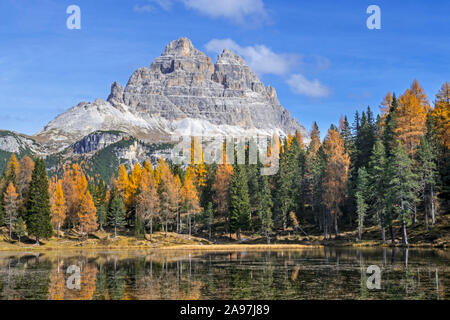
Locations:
column 184, row 93
column 183, row 83
column 96, row 141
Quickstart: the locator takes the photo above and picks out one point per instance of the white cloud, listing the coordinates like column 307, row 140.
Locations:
column 261, row 59
column 143, row 8
column 163, row 4
column 235, row 10
column 300, row 85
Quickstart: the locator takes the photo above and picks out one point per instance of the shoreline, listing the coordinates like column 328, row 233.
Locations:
column 212, row 247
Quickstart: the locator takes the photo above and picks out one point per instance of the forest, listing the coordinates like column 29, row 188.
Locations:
column 393, row 168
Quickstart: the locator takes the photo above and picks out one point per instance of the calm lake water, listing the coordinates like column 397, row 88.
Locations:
column 325, row 273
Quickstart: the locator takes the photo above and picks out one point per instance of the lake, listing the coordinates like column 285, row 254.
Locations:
column 319, row 273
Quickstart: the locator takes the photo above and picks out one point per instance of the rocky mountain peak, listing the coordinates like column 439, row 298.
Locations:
column 116, row 95
column 181, row 92
column 229, row 57
column 180, row 47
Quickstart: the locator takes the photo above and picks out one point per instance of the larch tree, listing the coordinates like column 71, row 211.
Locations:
column 440, row 120
column 58, row 207
column 38, row 213
column 26, row 166
column 336, row 173
column 87, row 215
column 147, row 200
column 11, row 205
column 190, row 200
column 221, row 189
column 123, row 185
column 411, row 116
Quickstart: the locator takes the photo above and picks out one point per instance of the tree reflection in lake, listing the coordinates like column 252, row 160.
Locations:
column 324, row 273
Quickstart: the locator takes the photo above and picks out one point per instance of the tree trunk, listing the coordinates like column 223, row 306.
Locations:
column 59, row 225
column 115, row 231
column 404, row 235
column 383, row 235
column 151, row 229
column 190, row 226
column 433, row 217
column 166, row 229
column 37, row 240
column 336, row 231
column 415, row 214
column 391, row 231
column 426, row 216
column 10, row 228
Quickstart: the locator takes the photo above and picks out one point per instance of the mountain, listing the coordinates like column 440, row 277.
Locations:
column 182, row 93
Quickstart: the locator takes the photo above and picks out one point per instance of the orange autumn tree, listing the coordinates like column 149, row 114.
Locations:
column 300, row 140
column 385, row 108
column 135, row 180
column 87, row 215
column 11, row 206
column 411, row 116
column 26, row 166
column 441, row 116
column 167, row 193
column 147, row 200
column 221, row 188
column 190, row 200
column 336, row 173
column 58, row 207
column 123, row 184
column 74, row 184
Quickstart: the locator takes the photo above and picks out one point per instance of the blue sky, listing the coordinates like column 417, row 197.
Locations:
column 319, row 55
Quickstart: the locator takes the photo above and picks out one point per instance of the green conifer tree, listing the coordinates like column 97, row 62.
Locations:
column 239, row 201
column 116, row 214
column 38, row 205
column 400, row 188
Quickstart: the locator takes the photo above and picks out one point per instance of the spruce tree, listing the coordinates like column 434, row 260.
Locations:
column 209, row 215
column 265, row 208
column 427, row 174
column 239, row 201
column 20, row 229
column 400, row 187
column 38, row 205
column 139, row 229
column 377, row 186
column 391, row 119
column 116, row 214
column 361, row 199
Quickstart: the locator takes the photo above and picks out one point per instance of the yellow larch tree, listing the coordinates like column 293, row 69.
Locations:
column 147, row 200
column 190, row 200
column 336, row 174
column 411, row 118
column 441, row 115
column 58, row 207
column 87, row 215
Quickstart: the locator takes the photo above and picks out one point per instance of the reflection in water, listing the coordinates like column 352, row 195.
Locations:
column 325, row 273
